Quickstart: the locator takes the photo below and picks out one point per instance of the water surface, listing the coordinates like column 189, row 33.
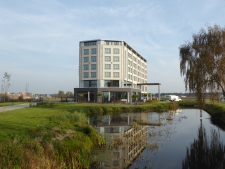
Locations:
column 160, row 140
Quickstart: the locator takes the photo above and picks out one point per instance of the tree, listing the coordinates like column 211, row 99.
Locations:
column 61, row 95
column 202, row 62
column 135, row 96
column 5, row 87
column 69, row 95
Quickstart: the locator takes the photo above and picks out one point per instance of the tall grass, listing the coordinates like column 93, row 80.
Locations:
column 64, row 142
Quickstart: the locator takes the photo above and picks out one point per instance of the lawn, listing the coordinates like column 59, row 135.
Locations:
column 18, row 121
column 28, row 138
column 11, row 103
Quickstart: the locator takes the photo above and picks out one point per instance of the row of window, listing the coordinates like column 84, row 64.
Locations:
column 131, row 63
column 115, row 51
column 86, row 74
column 93, row 59
column 107, row 66
column 107, row 74
column 136, row 60
column 135, row 78
column 93, row 51
column 107, row 51
column 112, row 43
column 115, row 58
column 136, row 72
column 115, row 74
column 107, row 59
column 91, row 43
column 93, row 67
column 115, row 66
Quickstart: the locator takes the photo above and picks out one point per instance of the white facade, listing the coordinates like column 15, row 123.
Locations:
column 111, row 63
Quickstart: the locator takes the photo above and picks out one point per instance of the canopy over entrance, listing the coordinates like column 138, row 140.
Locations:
column 152, row 84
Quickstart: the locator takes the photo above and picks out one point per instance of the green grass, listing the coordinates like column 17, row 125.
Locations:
column 11, row 103
column 46, row 137
column 55, row 135
column 16, row 121
column 22, row 119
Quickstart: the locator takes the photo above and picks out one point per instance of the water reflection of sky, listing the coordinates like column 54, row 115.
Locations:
column 178, row 135
column 173, row 138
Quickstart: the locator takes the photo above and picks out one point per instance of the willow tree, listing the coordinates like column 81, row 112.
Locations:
column 202, row 62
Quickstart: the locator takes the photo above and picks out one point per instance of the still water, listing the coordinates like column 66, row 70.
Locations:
column 185, row 138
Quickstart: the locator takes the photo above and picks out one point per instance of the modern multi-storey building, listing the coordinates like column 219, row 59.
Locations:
column 110, row 69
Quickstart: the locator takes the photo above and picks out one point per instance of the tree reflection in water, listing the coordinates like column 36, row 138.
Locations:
column 205, row 154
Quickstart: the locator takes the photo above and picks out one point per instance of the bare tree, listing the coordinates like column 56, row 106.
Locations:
column 5, row 87
column 202, row 62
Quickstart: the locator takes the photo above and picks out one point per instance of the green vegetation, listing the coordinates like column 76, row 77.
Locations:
column 188, row 103
column 56, row 135
column 45, row 137
column 217, row 112
column 11, row 103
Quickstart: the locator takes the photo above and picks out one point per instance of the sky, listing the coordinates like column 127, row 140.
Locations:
column 39, row 40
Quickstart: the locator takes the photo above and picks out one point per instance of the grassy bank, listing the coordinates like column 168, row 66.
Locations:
column 11, row 103
column 45, row 138
column 187, row 103
column 56, row 135
column 217, row 112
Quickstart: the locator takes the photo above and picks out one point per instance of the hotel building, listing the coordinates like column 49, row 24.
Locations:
column 111, row 69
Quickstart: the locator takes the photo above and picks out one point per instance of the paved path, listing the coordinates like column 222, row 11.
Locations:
column 14, row 107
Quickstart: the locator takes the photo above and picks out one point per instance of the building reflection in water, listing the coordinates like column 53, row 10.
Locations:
column 125, row 139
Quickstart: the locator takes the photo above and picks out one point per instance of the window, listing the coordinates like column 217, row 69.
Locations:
column 107, row 74
column 107, row 51
column 93, row 66
column 86, row 51
column 129, row 55
column 93, row 59
column 116, row 59
column 86, row 75
column 112, row 43
column 90, row 43
column 90, row 83
column 108, row 66
column 93, row 74
column 116, row 74
column 93, row 51
column 86, row 59
column 86, row 67
column 116, row 66
column 116, row 51
column 107, row 58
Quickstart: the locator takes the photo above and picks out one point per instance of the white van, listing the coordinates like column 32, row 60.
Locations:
column 175, row 98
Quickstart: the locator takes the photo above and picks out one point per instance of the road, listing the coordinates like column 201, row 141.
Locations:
column 14, row 107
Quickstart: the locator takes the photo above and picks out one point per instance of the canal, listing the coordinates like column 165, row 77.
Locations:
column 185, row 138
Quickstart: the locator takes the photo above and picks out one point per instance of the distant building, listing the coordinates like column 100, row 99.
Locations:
column 110, row 68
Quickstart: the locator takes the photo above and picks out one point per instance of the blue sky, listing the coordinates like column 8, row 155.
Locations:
column 39, row 39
